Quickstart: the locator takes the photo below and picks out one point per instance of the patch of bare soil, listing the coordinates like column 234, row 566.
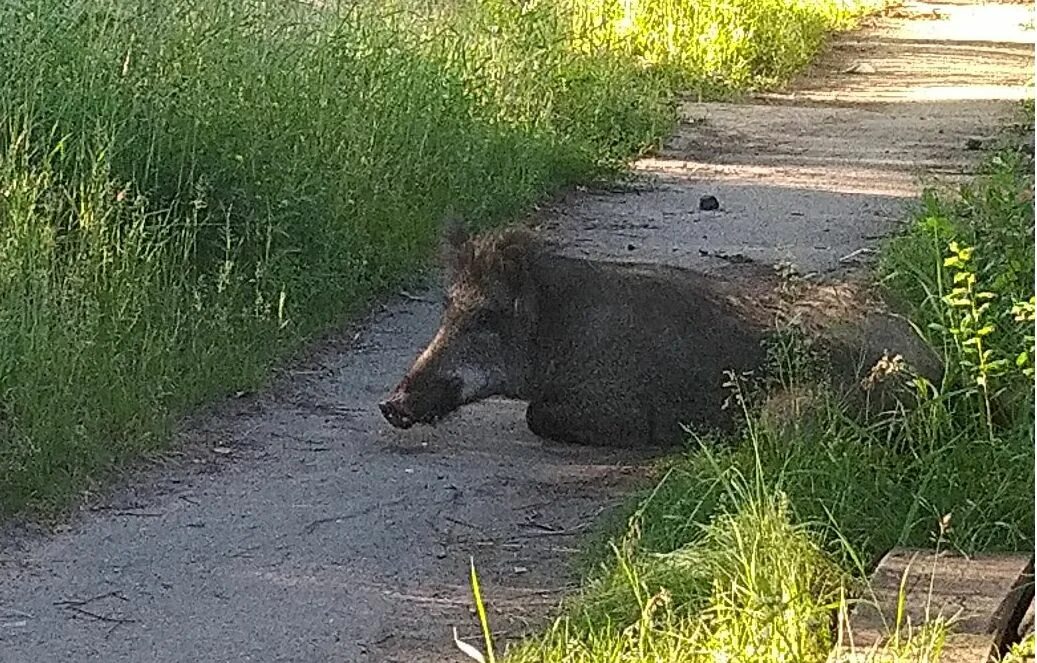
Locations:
column 326, row 536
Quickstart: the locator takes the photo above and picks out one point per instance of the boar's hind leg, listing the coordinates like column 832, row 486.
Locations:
column 580, row 421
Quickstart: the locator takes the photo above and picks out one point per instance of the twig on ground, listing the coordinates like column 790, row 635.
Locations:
column 460, row 521
column 540, row 526
column 852, row 255
column 116, row 511
column 564, row 549
column 533, row 505
column 67, row 603
column 555, row 532
column 538, row 591
column 545, row 530
column 489, row 543
column 342, row 410
column 312, row 526
column 309, row 529
column 415, row 298
column 100, row 618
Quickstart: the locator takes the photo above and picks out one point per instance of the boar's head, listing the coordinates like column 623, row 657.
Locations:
column 484, row 345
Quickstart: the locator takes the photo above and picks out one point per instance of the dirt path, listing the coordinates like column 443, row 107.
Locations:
column 825, row 170
column 305, row 530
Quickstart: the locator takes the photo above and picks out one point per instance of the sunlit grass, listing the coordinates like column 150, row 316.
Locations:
column 749, row 584
column 1021, row 651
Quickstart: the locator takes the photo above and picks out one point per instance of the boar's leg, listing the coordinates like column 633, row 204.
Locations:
column 578, row 418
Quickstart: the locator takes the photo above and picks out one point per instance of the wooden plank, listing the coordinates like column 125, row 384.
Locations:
column 983, row 597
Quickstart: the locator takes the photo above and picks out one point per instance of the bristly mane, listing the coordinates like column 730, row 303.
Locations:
column 496, row 252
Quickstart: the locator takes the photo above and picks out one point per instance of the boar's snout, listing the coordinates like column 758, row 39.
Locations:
column 396, row 412
column 421, row 399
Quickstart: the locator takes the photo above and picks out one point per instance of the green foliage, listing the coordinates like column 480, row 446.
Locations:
column 749, row 586
column 1021, row 652
column 102, row 324
column 715, row 47
column 871, row 487
column 751, row 548
column 964, row 272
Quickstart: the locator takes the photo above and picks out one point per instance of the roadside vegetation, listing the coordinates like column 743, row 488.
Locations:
column 747, row 549
column 190, row 190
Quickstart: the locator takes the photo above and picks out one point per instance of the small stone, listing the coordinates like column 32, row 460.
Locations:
column 1027, row 145
column 973, row 144
column 709, row 203
column 860, row 68
column 630, row 247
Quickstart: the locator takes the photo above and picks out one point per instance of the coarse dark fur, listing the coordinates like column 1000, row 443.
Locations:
column 607, row 353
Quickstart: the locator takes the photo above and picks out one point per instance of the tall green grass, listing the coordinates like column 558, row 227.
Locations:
column 964, row 272
column 751, row 587
column 190, row 189
column 716, row 47
column 749, row 551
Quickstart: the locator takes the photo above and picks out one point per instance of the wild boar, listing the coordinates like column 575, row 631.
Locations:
column 605, row 353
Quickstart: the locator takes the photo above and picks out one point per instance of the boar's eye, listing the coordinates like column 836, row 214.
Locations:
column 486, row 318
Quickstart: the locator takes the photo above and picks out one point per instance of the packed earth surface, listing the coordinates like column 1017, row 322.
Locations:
column 296, row 525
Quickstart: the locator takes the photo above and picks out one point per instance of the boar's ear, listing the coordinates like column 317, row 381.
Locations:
column 451, row 245
column 454, row 232
column 513, row 262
